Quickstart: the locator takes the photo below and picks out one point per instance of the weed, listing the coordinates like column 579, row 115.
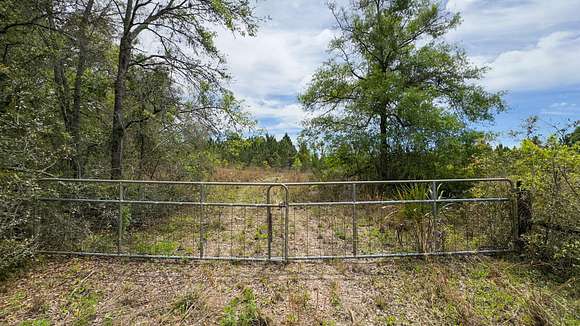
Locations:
column 192, row 301
column 126, row 218
column 491, row 302
column 390, row 321
column 37, row 306
column 98, row 243
column 108, row 320
column 381, row 302
column 340, row 234
column 163, row 247
column 299, row 298
column 243, row 310
column 35, row 322
column 82, row 303
column 292, row 319
column 335, row 294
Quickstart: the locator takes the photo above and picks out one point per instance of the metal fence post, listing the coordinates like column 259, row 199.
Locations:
column 201, row 218
column 269, row 222
column 434, row 196
column 286, row 218
column 354, row 222
column 120, row 222
column 522, row 210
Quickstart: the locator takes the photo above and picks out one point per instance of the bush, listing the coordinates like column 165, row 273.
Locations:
column 552, row 175
column 550, row 172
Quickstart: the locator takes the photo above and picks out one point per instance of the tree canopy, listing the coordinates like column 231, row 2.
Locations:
column 395, row 86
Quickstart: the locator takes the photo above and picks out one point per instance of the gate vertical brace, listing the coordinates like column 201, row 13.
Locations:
column 517, row 243
column 434, row 196
column 354, row 222
column 286, row 221
column 269, row 222
column 120, row 222
column 201, row 218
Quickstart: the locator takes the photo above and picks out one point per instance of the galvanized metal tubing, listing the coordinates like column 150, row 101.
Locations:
column 434, row 200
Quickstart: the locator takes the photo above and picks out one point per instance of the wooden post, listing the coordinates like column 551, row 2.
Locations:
column 524, row 215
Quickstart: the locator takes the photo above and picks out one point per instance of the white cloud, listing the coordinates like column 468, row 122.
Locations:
column 552, row 62
column 562, row 109
column 280, row 116
column 277, row 62
column 496, row 20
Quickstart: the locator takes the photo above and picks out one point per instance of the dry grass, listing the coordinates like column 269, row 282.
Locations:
column 251, row 174
column 408, row 291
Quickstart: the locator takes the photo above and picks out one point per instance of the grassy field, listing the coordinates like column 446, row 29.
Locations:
column 468, row 291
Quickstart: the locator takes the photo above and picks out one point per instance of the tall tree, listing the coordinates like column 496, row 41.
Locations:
column 286, row 151
column 186, row 46
column 394, row 80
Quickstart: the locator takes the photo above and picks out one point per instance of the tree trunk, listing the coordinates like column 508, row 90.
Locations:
column 383, row 149
column 76, row 110
column 118, row 131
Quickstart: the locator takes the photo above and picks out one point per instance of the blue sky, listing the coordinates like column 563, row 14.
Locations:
column 532, row 49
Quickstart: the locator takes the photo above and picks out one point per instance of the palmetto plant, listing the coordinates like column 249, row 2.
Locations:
column 419, row 215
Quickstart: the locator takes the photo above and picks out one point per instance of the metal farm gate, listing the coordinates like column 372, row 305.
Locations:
column 276, row 221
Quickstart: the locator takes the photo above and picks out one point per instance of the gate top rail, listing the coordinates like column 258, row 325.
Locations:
column 262, row 184
column 322, row 183
column 210, row 183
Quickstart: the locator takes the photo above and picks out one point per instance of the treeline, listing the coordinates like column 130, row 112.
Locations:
column 264, row 151
column 128, row 89
column 114, row 89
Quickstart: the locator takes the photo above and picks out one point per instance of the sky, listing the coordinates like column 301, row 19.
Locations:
column 531, row 47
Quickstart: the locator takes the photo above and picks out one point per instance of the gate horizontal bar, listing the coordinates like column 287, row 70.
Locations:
column 210, row 183
column 323, row 183
column 278, row 259
column 398, row 202
column 145, row 202
column 144, row 256
column 405, row 254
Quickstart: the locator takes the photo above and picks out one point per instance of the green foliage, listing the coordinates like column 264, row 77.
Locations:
column 262, row 151
column 419, row 215
column 550, row 172
column 36, row 322
column 82, row 304
column 126, row 218
column 59, row 63
column 243, row 311
column 396, row 92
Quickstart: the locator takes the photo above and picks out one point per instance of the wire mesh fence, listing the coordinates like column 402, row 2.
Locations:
column 275, row 221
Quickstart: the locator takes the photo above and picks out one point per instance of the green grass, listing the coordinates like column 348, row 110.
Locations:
column 36, row 322
column 190, row 303
column 243, row 311
column 82, row 304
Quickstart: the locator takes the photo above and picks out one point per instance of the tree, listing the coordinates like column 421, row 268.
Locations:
column 179, row 26
column 76, row 33
column 573, row 137
column 393, row 81
column 304, row 156
column 286, row 152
